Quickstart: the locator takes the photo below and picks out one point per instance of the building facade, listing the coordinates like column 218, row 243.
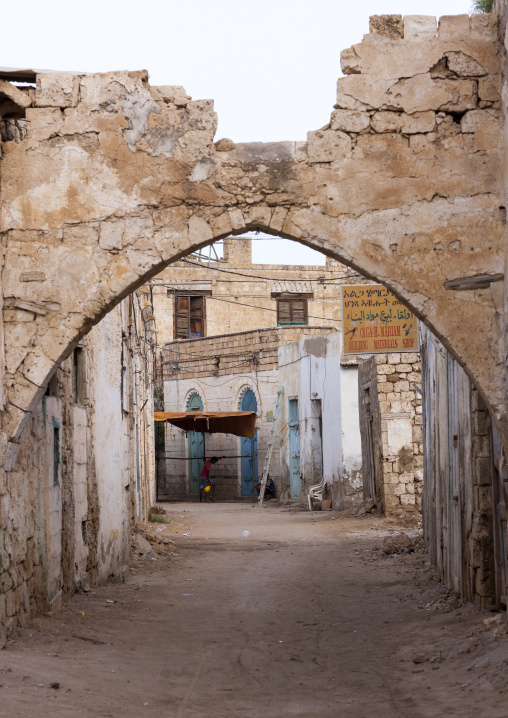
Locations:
column 85, row 470
column 233, row 372
column 195, row 298
column 319, row 433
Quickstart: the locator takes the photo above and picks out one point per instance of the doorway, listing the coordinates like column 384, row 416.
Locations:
column 249, row 449
column 295, row 480
column 196, row 447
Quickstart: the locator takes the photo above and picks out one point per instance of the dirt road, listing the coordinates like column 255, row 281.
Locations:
column 302, row 617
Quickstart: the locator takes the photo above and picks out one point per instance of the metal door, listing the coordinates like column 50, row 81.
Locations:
column 295, row 481
column 249, row 449
column 196, row 446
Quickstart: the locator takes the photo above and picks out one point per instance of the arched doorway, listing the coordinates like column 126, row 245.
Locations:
column 249, row 448
column 196, row 446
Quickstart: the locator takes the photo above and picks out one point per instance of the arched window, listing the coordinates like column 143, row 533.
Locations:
column 249, row 401
column 194, row 402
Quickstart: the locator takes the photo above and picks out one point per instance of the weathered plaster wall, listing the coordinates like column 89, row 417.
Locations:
column 311, row 370
column 66, row 508
column 351, row 438
column 116, row 179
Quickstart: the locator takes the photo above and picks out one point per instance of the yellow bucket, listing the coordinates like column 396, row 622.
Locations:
column 208, row 488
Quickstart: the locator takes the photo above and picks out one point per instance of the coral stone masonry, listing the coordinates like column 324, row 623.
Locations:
column 115, row 179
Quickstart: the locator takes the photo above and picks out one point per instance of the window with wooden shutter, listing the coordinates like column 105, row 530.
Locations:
column 292, row 310
column 189, row 316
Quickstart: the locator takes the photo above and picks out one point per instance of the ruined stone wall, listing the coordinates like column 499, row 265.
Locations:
column 238, row 293
column 392, row 383
column 115, row 179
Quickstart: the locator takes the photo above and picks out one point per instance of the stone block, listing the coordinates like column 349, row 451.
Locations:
column 399, row 489
column 403, row 367
column 451, row 27
column 464, row 65
column 481, row 446
column 488, row 89
column 408, row 500
column 327, row 146
column 390, row 26
column 380, row 358
column 419, row 27
column 57, row 89
column 483, row 472
column 418, row 122
column 401, row 386
column 384, row 369
column 484, row 26
column 350, row 121
column 421, row 94
column 408, row 396
column 480, row 423
column 350, row 63
column 386, row 121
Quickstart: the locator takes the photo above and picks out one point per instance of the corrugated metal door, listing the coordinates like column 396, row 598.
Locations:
column 249, row 449
column 295, row 481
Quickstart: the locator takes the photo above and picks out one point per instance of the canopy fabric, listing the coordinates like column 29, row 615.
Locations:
column 240, row 423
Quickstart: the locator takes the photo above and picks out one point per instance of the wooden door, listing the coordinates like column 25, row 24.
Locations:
column 249, row 449
column 295, row 480
column 196, row 447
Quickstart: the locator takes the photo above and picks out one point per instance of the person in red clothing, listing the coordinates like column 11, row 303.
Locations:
column 205, row 479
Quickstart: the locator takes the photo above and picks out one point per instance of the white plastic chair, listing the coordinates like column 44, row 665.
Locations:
column 316, row 492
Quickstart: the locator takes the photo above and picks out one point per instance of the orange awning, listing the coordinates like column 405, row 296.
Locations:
column 240, row 423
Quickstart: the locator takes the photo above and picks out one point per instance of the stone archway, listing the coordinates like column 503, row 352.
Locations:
column 117, row 179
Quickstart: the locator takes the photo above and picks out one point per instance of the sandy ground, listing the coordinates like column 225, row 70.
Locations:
column 302, row 617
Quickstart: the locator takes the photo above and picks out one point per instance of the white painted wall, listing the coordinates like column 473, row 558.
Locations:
column 80, row 494
column 111, row 446
column 351, row 437
column 311, row 369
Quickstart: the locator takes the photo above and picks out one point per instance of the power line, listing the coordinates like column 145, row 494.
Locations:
column 251, row 306
column 272, row 279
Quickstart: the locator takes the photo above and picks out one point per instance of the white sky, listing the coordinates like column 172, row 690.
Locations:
column 270, row 65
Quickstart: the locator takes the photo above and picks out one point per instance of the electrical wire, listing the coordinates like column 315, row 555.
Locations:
column 251, row 306
column 269, row 279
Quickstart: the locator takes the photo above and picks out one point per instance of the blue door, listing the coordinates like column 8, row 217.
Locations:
column 295, row 481
column 249, row 449
column 196, row 444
